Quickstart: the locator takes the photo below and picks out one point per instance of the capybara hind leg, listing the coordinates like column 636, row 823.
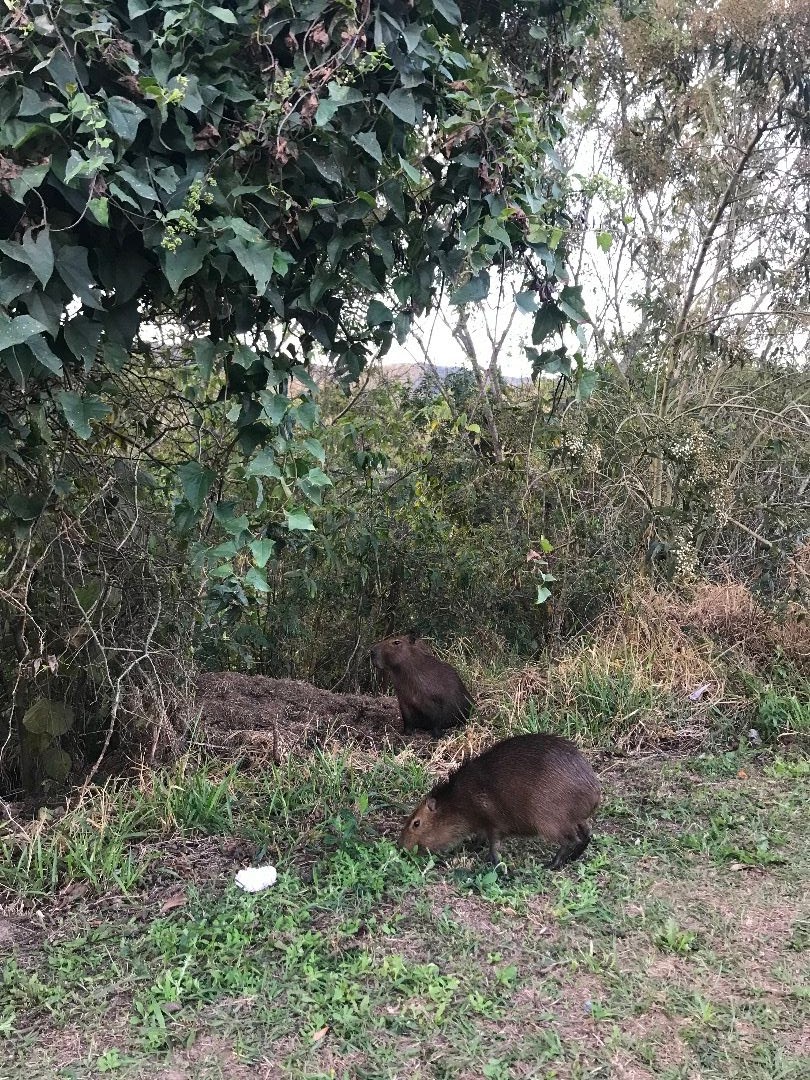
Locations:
column 563, row 854
column 571, row 849
column 584, row 838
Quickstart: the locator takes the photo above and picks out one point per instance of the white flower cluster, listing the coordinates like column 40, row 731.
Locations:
column 685, row 557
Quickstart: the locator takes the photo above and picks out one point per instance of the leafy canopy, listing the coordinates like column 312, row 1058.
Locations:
column 274, row 178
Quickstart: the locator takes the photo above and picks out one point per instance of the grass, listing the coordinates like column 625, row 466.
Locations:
column 678, row 947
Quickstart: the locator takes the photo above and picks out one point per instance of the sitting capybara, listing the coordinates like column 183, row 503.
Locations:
column 529, row 785
column 430, row 693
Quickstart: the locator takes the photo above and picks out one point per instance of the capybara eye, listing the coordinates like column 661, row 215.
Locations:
column 415, row 824
column 396, row 641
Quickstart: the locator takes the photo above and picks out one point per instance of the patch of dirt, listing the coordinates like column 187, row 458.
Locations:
column 276, row 717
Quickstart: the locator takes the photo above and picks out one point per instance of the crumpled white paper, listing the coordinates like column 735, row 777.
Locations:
column 256, row 878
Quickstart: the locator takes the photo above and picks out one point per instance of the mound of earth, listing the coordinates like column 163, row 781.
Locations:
column 282, row 716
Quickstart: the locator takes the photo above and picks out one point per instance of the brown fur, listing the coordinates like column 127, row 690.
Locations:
column 529, row 785
column 430, row 693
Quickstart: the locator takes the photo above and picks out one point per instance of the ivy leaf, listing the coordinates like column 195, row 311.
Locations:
column 315, row 449
column 37, row 254
column 299, row 519
column 184, row 261
column 449, row 11
column 543, row 594
column 368, row 141
column 261, row 550
column 71, row 265
column 264, row 464
column 256, row 579
column 476, row 289
column 257, row 258
column 79, row 411
column 56, row 763
column 318, row 478
column 16, row 331
column 403, row 105
column 548, row 320
column 48, row 359
column 46, row 717
column 196, row 482
column 572, row 304
column 125, row 117
column 338, row 95
column 379, row 314
column 604, row 240
column 586, row 384
column 527, row 301
column 222, row 14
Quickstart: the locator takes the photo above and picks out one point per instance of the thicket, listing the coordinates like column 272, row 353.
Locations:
column 197, row 202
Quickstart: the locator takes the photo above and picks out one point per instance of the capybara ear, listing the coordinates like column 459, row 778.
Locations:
column 412, row 636
column 430, row 803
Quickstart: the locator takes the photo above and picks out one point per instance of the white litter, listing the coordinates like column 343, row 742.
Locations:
column 256, row 878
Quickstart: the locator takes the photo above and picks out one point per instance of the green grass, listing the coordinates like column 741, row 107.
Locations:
column 677, row 947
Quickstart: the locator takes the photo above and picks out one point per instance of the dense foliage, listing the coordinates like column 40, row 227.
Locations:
column 195, row 200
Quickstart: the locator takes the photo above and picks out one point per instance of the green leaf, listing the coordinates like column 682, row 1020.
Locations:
column 527, row 301
column 338, row 95
column 71, row 265
column 196, row 482
column 49, row 360
column 403, row 105
column 184, row 262
column 262, row 550
column 37, row 254
column 413, row 174
column 79, row 411
column 604, row 240
column 100, row 209
column 264, row 464
column 548, row 320
column 25, row 507
column 46, row 717
column 379, row 314
column 257, row 580
column 449, row 11
column 318, row 478
column 56, row 763
column 256, row 258
column 368, row 141
column 475, row 290
column 125, row 117
column 222, row 14
column 315, row 449
column 572, row 304
column 16, row 331
column 586, row 384
column 299, row 519
column 543, row 594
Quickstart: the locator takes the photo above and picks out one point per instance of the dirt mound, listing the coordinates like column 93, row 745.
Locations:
column 281, row 716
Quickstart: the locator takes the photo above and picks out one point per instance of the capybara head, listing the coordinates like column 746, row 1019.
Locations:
column 432, row 827
column 396, row 650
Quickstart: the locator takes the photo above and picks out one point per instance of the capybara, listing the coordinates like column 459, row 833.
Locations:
column 430, row 693
column 529, row 785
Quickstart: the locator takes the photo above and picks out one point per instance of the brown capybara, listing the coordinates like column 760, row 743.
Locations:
column 529, row 785
column 430, row 693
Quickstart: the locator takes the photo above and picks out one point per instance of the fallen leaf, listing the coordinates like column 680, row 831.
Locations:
column 320, row 1034
column 175, row 901
column 742, row 774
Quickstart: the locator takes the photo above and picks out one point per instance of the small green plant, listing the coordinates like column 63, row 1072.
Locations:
column 671, row 938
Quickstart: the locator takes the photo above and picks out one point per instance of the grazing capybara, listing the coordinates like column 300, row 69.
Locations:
column 430, row 693
column 529, row 785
